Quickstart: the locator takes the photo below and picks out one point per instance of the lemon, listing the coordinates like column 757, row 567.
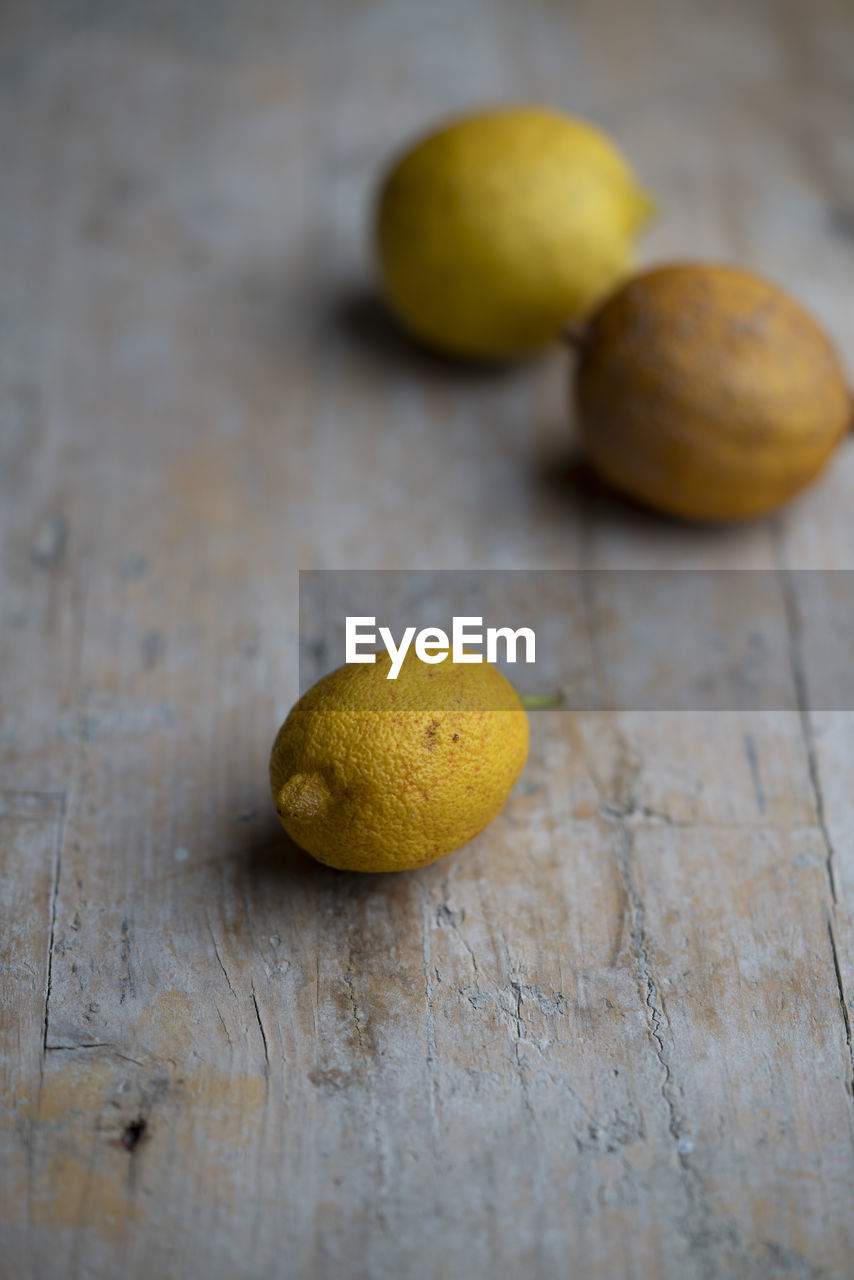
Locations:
column 372, row 774
column 708, row 392
column 502, row 226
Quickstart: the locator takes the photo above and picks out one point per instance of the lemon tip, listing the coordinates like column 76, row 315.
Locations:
column 304, row 795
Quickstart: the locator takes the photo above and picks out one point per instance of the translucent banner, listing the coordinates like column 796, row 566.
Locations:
column 619, row 640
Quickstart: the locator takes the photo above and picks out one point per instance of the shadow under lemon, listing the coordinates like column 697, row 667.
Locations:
column 361, row 317
column 275, row 871
column 568, row 476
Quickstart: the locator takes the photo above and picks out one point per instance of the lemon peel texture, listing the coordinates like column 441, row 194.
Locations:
column 371, row 774
column 499, row 228
column 708, row 392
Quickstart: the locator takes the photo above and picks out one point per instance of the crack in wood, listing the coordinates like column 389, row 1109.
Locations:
column 27, row 793
column 87, row 1044
column 261, row 1029
column 348, row 978
column 696, row 1224
column 799, row 676
column 219, row 958
column 430, row 1019
column 846, row 1017
column 134, row 1132
column 127, row 981
column 54, row 905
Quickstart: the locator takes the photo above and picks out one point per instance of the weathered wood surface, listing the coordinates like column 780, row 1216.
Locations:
column 611, row 1038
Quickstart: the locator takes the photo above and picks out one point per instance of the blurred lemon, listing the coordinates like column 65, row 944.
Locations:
column 708, row 392
column 371, row 774
column 502, row 226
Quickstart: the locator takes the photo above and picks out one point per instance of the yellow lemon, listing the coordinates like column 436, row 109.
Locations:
column 708, row 392
column 502, row 226
column 372, row 774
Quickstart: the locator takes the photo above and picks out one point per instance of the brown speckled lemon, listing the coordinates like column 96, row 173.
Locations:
column 708, row 392
column 371, row 774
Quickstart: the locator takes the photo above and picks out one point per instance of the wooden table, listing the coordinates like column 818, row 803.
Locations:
column 613, row 1036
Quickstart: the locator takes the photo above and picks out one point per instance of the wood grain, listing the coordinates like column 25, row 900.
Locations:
column 613, row 1036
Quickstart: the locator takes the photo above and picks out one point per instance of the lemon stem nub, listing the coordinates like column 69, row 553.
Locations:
column 573, row 335
column 304, row 795
column 647, row 207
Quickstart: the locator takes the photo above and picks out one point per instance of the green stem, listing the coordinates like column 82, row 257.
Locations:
column 543, row 701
